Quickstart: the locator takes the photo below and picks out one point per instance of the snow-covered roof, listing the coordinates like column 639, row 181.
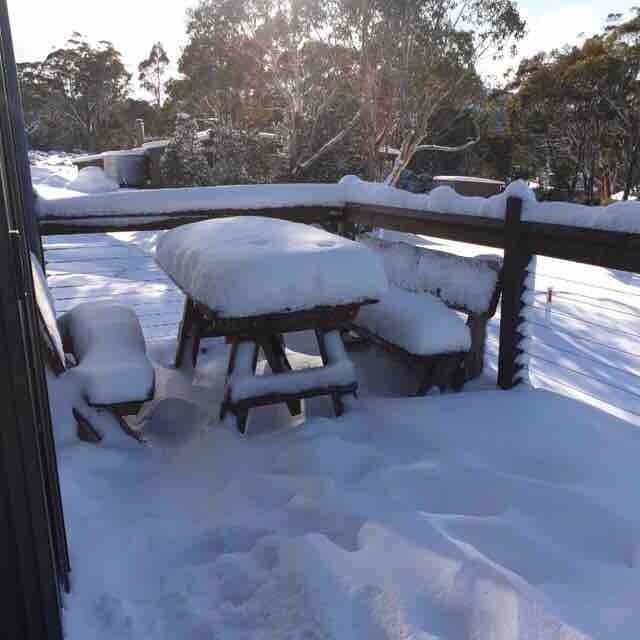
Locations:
column 92, row 157
column 156, row 144
column 466, row 179
column 138, row 151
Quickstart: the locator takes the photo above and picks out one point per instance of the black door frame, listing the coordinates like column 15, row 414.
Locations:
column 34, row 563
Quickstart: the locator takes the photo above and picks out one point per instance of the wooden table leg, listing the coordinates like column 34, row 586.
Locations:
column 338, row 404
column 274, row 351
column 189, row 335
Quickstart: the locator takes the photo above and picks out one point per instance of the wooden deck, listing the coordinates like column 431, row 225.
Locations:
column 118, row 267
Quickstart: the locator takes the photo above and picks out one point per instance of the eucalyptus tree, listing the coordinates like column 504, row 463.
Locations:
column 416, row 57
column 152, row 71
column 76, row 93
column 581, row 107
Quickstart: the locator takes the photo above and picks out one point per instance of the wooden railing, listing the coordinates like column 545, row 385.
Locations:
column 519, row 239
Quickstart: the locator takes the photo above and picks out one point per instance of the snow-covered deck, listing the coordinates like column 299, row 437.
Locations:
column 482, row 514
column 486, row 514
column 118, row 267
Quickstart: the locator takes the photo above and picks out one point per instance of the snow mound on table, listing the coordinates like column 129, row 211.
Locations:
column 93, row 180
column 110, row 348
column 418, row 322
column 250, row 266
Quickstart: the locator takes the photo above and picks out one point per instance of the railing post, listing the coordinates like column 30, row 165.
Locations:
column 514, row 275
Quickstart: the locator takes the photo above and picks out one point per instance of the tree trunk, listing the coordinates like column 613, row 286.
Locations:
column 628, row 183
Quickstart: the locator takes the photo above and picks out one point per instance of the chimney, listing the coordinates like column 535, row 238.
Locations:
column 139, row 132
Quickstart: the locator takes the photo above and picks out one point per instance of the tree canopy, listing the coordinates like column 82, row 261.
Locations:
column 576, row 112
column 76, row 95
column 338, row 82
column 151, row 72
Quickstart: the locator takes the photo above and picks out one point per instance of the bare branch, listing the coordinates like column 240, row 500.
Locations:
column 302, row 166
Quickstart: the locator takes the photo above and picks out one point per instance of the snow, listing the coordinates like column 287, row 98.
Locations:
column 620, row 195
column 619, row 216
column 46, row 307
column 449, row 516
column 339, row 371
column 339, row 374
column 358, row 191
column 93, row 180
column 485, row 514
column 418, row 322
column 465, row 282
column 250, row 266
column 111, row 353
column 51, row 174
column 147, row 202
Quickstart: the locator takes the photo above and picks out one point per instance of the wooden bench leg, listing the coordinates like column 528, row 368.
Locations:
column 338, row 404
column 273, row 347
column 136, row 434
column 86, row 431
column 241, row 415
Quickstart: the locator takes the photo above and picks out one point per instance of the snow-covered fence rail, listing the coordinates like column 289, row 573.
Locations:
column 513, row 221
column 137, row 210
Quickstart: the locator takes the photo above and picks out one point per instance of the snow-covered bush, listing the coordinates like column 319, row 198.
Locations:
column 183, row 163
column 239, row 156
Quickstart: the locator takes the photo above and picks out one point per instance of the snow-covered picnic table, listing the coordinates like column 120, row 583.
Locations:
column 254, row 279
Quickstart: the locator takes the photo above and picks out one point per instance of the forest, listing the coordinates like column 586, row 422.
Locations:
column 311, row 90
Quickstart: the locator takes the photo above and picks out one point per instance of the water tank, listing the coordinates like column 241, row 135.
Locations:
column 129, row 168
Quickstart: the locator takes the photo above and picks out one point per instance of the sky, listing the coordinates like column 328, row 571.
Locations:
column 134, row 25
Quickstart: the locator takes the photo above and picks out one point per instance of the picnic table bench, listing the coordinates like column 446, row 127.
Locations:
column 420, row 318
column 108, row 354
column 252, row 280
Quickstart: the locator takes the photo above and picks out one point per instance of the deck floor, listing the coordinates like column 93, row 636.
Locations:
column 118, row 267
